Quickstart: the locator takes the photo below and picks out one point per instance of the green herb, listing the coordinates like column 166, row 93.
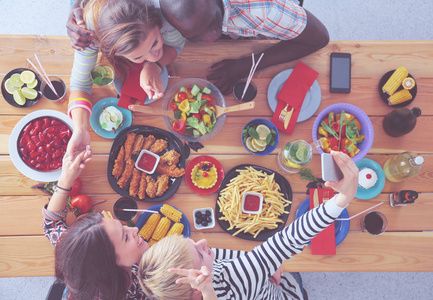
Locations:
column 341, row 128
column 329, row 129
column 177, row 114
column 253, row 133
column 268, row 139
column 307, row 174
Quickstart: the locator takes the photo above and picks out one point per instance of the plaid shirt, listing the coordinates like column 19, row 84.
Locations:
column 272, row 19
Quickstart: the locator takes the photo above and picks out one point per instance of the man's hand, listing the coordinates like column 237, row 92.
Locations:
column 227, row 72
column 276, row 278
column 151, row 82
column 80, row 37
column 79, row 142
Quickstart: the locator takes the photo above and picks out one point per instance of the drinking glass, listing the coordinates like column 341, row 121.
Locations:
column 102, row 74
column 295, row 155
column 374, row 223
column 122, row 203
column 60, row 87
column 250, row 93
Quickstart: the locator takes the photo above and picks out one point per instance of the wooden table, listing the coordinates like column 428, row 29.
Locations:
column 406, row 246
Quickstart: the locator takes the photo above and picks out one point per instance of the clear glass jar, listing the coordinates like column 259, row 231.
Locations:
column 294, row 156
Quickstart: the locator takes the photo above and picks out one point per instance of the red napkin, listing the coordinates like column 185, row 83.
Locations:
column 293, row 93
column 324, row 242
column 131, row 90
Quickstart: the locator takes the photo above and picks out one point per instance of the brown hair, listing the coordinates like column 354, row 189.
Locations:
column 171, row 252
column 85, row 260
column 121, row 26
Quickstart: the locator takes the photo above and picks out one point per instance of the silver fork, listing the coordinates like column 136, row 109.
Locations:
column 283, row 114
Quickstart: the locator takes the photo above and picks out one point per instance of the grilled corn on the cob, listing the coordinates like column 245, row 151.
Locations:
column 171, row 213
column 399, row 97
column 395, row 80
column 149, row 227
column 177, row 228
column 162, row 229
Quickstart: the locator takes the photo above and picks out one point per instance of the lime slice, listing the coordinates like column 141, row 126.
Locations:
column 287, row 162
column 108, row 71
column 259, row 145
column 9, row 87
column 248, row 144
column 32, row 84
column 27, row 76
column 19, row 98
column 100, row 70
column 302, row 153
column 16, row 81
column 263, row 131
column 29, row 93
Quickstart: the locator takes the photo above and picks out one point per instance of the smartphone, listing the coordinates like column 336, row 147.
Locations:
column 340, row 72
column 330, row 170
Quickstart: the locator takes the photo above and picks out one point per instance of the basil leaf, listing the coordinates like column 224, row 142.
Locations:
column 268, row 138
column 329, row 129
column 253, row 133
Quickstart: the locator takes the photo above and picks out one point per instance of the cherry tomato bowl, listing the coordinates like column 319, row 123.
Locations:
column 38, row 142
column 366, row 126
column 188, row 83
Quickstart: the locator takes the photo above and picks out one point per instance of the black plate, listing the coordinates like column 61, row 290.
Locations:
column 173, row 143
column 10, row 99
column 266, row 233
column 385, row 96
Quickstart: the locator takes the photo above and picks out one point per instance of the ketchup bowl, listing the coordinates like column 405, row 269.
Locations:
column 147, row 161
column 252, row 203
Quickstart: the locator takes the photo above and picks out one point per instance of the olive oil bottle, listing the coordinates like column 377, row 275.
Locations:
column 402, row 166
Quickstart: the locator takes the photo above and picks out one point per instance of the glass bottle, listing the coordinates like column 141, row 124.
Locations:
column 402, row 198
column 401, row 121
column 402, row 166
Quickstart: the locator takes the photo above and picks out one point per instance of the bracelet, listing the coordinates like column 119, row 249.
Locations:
column 81, row 99
column 55, row 189
column 79, row 104
column 66, row 190
column 155, row 63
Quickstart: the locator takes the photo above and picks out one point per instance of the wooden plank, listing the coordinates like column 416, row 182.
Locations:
column 14, row 50
column 390, row 252
column 416, row 217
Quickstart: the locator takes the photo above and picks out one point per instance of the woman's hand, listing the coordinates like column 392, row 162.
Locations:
column 151, row 82
column 198, row 279
column 71, row 168
column 347, row 186
column 276, row 278
column 79, row 142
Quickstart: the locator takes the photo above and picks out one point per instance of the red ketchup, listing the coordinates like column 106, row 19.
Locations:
column 252, row 203
column 147, row 162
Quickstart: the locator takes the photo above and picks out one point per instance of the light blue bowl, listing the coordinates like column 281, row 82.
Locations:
column 271, row 125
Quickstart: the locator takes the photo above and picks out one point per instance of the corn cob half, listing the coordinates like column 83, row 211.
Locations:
column 177, row 228
column 152, row 242
column 171, row 213
column 395, row 80
column 399, row 97
column 149, row 227
column 162, row 229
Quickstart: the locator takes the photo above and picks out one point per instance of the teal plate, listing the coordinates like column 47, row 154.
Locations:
column 372, row 192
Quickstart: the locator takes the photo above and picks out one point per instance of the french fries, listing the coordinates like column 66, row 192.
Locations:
column 252, row 180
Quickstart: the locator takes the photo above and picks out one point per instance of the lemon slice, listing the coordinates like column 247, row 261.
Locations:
column 263, row 131
column 16, row 81
column 19, row 98
column 29, row 93
column 248, row 144
column 259, row 145
column 32, row 84
column 9, row 87
column 27, row 76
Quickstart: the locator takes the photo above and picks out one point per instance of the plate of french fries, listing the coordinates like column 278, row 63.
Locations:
column 128, row 181
column 153, row 227
column 277, row 199
column 398, row 88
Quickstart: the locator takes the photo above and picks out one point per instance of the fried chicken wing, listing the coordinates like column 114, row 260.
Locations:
column 170, row 158
column 171, row 171
column 151, row 187
column 119, row 163
column 159, row 146
column 138, row 144
column 148, row 142
column 162, row 185
column 135, row 182
column 143, row 185
column 126, row 174
column 130, row 138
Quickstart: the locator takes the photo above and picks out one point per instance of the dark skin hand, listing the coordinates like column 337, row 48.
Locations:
column 80, row 37
column 314, row 37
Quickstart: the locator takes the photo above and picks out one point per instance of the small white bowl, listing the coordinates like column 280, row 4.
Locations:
column 150, row 153
column 260, row 196
column 203, row 210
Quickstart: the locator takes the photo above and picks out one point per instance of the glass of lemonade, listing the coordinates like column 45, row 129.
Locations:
column 102, row 74
column 294, row 156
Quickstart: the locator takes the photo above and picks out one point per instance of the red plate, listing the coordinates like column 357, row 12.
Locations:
column 194, row 162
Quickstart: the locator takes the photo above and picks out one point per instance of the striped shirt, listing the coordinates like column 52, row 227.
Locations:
column 271, row 19
column 245, row 275
column 85, row 60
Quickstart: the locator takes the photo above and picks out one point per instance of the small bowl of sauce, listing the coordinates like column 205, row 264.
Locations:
column 147, row 161
column 252, row 203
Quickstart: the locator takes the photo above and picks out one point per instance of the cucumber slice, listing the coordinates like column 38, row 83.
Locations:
column 195, row 89
column 182, row 89
column 206, row 90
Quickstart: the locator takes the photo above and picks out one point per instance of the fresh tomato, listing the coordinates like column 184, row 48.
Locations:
column 181, row 96
column 198, row 116
column 336, row 126
column 179, row 126
column 81, row 204
column 333, row 143
column 76, row 188
column 173, row 106
column 209, row 99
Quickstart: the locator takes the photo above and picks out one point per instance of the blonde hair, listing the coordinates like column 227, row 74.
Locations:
column 157, row 283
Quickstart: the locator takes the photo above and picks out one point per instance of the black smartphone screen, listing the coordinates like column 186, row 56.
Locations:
column 340, row 72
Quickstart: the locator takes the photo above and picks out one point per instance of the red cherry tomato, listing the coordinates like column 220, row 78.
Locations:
column 333, row 143
column 81, row 204
column 76, row 188
column 336, row 126
column 198, row 116
column 181, row 96
column 173, row 106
